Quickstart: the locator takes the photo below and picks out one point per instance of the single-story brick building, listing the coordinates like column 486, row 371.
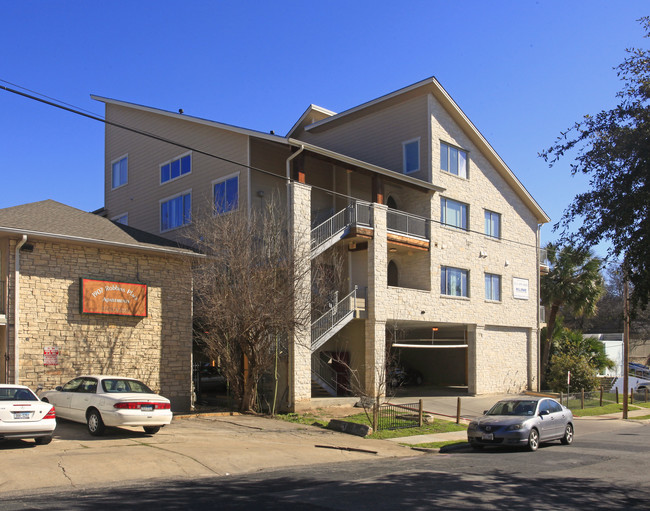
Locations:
column 81, row 294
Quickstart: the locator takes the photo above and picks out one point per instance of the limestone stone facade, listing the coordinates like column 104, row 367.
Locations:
column 157, row 349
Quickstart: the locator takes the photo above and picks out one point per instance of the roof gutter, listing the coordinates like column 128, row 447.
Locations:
column 17, row 309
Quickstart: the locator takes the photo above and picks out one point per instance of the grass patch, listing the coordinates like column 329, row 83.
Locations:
column 601, row 410
column 641, row 418
column 320, row 418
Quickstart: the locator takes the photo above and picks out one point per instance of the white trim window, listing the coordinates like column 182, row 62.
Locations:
column 493, row 287
column 176, row 168
column 453, row 160
column 225, row 192
column 492, row 224
column 411, row 155
column 176, row 211
column 453, row 281
column 121, row 219
column 119, row 172
column 453, row 213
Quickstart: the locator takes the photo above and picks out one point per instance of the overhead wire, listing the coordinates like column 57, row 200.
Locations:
column 50, row 101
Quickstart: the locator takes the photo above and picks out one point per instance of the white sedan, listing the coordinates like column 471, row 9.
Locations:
column 23, row 415
column 101, row 401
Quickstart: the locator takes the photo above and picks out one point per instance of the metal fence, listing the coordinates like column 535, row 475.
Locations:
column 596, row 398
column 392, row 416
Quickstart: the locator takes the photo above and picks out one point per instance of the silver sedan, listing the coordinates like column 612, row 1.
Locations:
column 522, row 421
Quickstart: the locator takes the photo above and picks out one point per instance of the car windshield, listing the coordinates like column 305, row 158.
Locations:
column 119, row 385
column 523, row 407
column 16, row 394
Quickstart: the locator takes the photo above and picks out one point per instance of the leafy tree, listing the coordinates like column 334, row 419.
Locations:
column 573, row 282
column 583, row 375
column 573, row 343
column 613, row 148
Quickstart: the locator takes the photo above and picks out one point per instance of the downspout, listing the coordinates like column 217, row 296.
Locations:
column 288, row 166
column 17, row 309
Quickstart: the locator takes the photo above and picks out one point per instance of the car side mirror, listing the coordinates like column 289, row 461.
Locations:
column 544, row 412
column 58, row 388
column 485, row 412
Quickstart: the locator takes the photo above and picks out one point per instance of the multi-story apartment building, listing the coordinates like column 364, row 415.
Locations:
column 441, row 239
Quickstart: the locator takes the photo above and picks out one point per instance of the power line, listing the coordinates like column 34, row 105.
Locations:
column 85, row 113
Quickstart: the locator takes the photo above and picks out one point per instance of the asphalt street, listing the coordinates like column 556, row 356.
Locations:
column 251, row 462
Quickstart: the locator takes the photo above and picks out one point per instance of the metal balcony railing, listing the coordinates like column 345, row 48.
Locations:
column 544, row 264
column 405, row 223
column 337, row 226
column 339, row 315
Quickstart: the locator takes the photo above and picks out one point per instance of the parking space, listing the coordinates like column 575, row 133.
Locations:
column 188, row 448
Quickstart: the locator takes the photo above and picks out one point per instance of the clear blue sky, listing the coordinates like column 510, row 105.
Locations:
column 521, row 70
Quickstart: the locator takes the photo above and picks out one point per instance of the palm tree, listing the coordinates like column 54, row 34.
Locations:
column 573, row 282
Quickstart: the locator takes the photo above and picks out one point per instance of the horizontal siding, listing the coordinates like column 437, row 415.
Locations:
column 377, row 137
column 140, row 197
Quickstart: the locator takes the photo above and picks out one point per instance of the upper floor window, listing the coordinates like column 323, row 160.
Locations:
column 175, row 168
column 226, row 194
column 492, row 287
column 411, row 155
column 453, row 281
column 453, row 213
column 119, row 172
column 492, row 224
column 176, row 211
column 121, row 219
column 453, row 160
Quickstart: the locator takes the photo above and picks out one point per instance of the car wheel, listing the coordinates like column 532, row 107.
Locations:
column 43, row 440
column 568, row 435
column 151, row 430
column 533, row 440
column 95, row 423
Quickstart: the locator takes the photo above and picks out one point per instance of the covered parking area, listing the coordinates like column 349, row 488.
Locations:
column 439, row 353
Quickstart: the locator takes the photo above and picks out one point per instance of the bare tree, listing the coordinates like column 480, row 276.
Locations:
column 244, row 293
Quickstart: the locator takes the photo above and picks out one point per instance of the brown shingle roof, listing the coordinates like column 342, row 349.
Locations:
column 52, row 219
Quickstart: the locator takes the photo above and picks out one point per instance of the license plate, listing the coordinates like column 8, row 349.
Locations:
column 146, row 408
column 22, row 415
column 488, row 436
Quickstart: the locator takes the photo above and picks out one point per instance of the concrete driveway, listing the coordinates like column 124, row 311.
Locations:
column 189, row 448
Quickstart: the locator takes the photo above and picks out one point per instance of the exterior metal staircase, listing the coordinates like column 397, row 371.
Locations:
column 337, row 227
column 339, row 315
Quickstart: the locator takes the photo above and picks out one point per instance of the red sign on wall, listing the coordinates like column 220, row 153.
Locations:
column 50, row 356
column 109, row 297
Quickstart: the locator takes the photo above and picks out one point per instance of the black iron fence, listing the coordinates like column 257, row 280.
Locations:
column 595, row 398
column 393, row 416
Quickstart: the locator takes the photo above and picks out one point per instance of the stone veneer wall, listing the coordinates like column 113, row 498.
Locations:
column 156, row 349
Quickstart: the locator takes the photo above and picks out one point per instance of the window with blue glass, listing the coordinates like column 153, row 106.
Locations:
column 492, row 224
column 411, row 155
column 493, row 287
column 453, row 281
column 453, row 213
column 226, row 194
column 453, row 160
column 176, row 212
column 176, row 168
column 119, row 172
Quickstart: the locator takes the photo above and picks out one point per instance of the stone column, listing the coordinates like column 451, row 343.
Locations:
column 474, row 337
column 300, row 343
column 532, row 359
column 375, row 346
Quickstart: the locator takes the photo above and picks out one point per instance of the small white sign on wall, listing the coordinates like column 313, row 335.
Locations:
column 520, row 288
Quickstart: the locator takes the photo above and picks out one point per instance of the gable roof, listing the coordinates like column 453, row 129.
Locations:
column 432, row 86
column 49, row 219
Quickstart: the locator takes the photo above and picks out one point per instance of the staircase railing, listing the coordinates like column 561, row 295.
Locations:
column 323, row 373
column 338, row 225
column 339, row 315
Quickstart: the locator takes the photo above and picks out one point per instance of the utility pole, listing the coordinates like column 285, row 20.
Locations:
column 626, row 345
